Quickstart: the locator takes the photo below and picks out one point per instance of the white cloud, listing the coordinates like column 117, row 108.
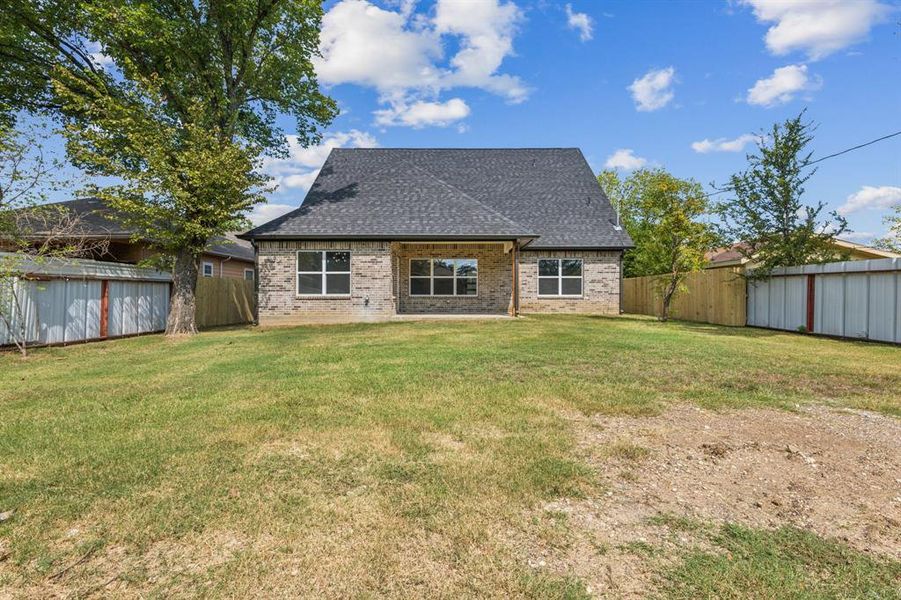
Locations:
column 782, row 85
column 299, row 169
column 817, row 27
column 724, row 145
column 400, row 53
column 486, row 31
column 98, row 56
column 263, row 213
column 581, row 22
column 625, row 159
column 871, row 197
column 366, row 45
column 423, row 114
column 653, row 90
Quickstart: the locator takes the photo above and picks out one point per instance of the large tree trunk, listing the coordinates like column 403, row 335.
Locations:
column 184, row 283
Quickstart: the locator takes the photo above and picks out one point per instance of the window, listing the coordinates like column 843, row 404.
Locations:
column 444, row 276
column 248, row 274
column 323, row 273
column 560, row 277
column 207, row 269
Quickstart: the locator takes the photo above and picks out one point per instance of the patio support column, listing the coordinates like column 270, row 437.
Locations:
column 514, row 291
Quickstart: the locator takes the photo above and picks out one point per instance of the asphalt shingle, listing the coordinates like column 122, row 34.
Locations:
column 549, row 194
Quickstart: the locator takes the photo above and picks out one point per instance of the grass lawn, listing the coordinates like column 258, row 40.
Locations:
column 390, row 459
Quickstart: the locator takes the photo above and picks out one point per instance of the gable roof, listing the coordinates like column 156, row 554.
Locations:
column 97, row 220
column 549, row 195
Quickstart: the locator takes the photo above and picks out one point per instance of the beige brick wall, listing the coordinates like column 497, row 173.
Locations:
column 371, row 279
column 380, row 274
column 495, row 279
column 600, row 283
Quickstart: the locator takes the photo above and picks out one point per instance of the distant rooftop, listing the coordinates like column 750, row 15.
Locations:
column 97, row 220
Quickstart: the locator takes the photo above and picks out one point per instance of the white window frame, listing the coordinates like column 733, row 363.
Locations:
column 252, row 274
column 323, row 272
column 203, row 267
column 431, row 277
column 560, row 277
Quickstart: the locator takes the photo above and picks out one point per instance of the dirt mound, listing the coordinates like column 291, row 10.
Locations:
column 836, row 473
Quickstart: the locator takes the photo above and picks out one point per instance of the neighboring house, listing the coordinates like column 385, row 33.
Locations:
column 226, row 256
column 732, row 257
column 443, row 231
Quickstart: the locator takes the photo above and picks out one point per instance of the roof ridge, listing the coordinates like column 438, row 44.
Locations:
column 460, row 148
column 459, row 191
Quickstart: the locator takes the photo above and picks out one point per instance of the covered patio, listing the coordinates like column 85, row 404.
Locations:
column 455, row 277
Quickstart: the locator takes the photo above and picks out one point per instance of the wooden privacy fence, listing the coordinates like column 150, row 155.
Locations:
column 710, row 296
column 224, row 301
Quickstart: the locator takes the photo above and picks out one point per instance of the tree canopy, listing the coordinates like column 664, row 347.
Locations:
column 767, row 211
column 664, row 216
column 178, row 101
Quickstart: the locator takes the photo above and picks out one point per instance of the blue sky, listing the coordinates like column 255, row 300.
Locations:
column 681, row 85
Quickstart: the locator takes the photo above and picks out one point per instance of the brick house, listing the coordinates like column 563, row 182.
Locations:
column 386, row 232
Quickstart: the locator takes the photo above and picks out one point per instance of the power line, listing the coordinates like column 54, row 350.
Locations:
column 885, row 137
column 845, row 151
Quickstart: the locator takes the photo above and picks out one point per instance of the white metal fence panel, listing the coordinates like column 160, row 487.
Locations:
column 795, row 302
column 856, row 299
column 778, row 302
column 56, row 305
column 137, row 307
column 53, row 311
column 885, row 299
column 829, row 309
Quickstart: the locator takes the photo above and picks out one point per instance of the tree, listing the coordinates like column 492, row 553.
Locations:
column 662, row 215
column 178, row 101
column 626, row 195
column 30, row 231
column 767, row 213
column 892, row 239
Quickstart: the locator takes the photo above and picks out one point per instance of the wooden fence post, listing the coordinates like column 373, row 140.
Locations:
column 104, row 308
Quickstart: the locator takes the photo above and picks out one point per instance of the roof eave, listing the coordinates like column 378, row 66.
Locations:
column 584, row 247
column 393, row 237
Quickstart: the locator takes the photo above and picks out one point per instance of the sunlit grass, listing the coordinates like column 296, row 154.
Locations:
column 390, row 458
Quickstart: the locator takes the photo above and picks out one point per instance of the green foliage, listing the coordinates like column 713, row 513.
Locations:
column 185, row 108
column 892, row 240
column 179, row 109
column 767, row 212
column 662, row 215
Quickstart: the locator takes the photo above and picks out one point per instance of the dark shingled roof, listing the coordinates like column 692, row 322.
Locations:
column 549, row 194
column 97, row 220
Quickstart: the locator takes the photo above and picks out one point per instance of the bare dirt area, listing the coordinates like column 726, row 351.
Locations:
column 836, row 473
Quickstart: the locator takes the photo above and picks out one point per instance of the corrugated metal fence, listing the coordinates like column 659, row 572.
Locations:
column 856, row 299
column 59, row 301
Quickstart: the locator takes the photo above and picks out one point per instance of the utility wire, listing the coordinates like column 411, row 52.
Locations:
column 865, row 144
column 885, row 137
